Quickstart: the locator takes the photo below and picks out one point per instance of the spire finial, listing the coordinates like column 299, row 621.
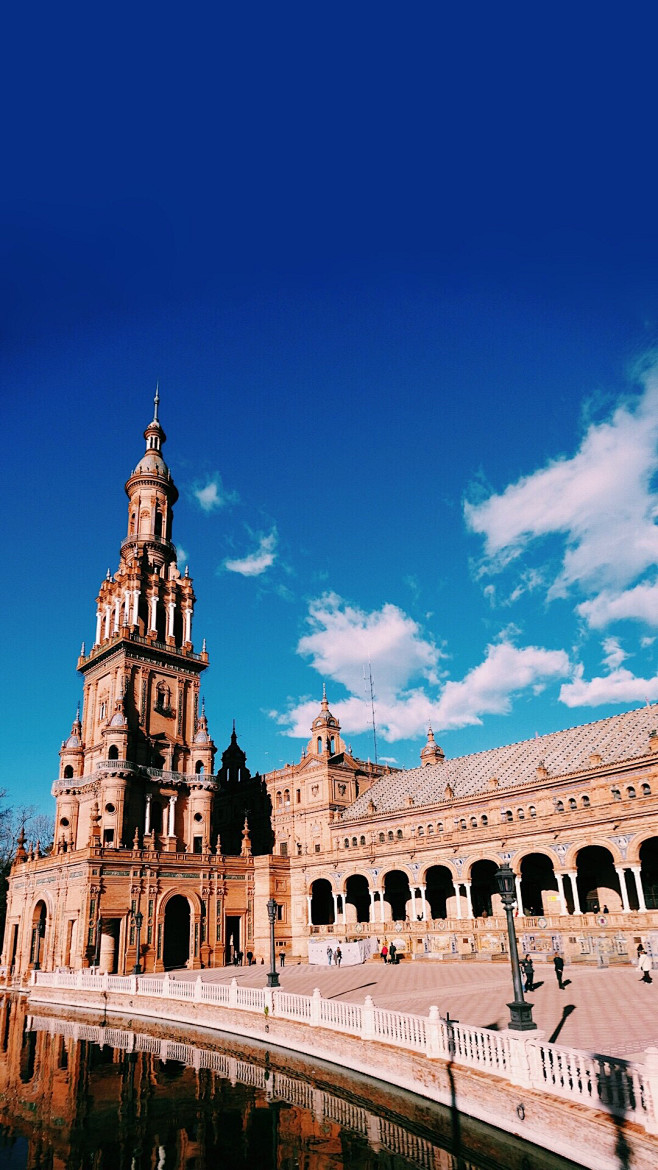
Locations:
column 203, row 706
column 324, row 692
column 156, row 402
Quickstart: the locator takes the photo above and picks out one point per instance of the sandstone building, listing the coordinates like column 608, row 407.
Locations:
column 148, row 832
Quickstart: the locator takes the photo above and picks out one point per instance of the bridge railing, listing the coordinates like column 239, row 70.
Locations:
column 619, row 1087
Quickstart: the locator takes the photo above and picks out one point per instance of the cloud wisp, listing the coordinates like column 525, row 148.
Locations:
column 600, row 501
column 411, row 690
column 211, row 494
column 256, row 562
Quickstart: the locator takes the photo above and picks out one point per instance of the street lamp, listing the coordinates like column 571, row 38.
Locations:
column 139, row 918
column 520, row 1011
column 272, row 977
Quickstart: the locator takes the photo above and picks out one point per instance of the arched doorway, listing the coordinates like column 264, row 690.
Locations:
column 397, row 894
column 649, row 863
column 598, row 884
column 537, row 879
column 37, row 948
column 439, row 890
column 357, row 898
column 322, row 903
column 176, row 950
column 484, row 888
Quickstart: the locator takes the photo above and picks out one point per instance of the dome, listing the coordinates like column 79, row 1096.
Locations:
column 73, row 741
column 152, row 462
column 201, row 737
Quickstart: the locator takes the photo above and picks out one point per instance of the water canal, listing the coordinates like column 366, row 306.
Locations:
column 80, row 1093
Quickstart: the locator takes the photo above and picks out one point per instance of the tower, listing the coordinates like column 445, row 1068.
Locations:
column 140, row 734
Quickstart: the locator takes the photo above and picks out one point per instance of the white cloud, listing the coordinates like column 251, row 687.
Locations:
column 212, row 495
column 257, row 562
column 182, row 556
column 613, row 653
column 599, row 500
column 639, row 603
column 489, row 687
column 343, row 638
column 620, row 686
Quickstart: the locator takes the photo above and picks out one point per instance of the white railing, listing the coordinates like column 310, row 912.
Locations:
column 616, row 1086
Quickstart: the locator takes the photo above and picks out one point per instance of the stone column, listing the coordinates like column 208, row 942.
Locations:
column 372, row 906
column 147, row 817
column 456, row 888
column 187, row 632
column 308, row 904
column 335, row 898
column 574, row 891
column 424, row 903
column 469, row 902
column 99, row 619
column 106, row 630
column 621, row 874
column 153, row 612
column 171, row 606
column 519, row 899
column 381, row 906
column 560, row 890
column 636, row 870
column 413, row 903
column 171, row 830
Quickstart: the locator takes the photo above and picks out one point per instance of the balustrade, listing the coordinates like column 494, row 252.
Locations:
column 619, row 1087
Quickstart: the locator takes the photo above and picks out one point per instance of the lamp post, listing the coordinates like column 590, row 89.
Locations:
column 520, row 1011
column 272, row 977
column 139, row 918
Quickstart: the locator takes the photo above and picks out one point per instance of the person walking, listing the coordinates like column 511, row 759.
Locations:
column 529, row 972
column 338, row 954
column 330, row 955
column 384, row 953
column 282, row 958
column 558, row 963
column 644, row 964
column 392, row 953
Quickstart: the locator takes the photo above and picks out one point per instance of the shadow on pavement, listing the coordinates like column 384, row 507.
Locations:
column 566, row 1012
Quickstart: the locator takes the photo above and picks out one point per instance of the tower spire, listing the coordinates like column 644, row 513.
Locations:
column 156, row 402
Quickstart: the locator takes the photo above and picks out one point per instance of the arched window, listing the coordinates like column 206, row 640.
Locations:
column 616, row 794
column 362, row 840
column 199, row 768
column 508, row 815
column 585, row 802
column 354, row 840
column 331, row 745
column 286, row 798
column 319, row 745
column 559, row 806
column 399, row 834
column 390, row 835
column 68, row 772
column 484, row 819
column 646, row 790
column 474, row 822
column 630, row 792
column 572, row 804
column 381, row 838
column 279, row 800
column 462, row 823
column 430, row 830
column 520, row 814
column 440, row 826
column 532, row 810
column 421, row 831
column 346, row 842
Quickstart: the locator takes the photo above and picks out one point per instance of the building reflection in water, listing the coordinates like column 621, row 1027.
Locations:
column 78, row 1096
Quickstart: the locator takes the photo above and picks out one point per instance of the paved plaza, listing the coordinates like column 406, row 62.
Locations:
column 608, row 1011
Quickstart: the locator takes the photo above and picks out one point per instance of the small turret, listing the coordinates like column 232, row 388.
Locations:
column 431, row 753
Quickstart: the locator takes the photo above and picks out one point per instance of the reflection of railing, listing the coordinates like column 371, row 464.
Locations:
column 616, row 1086
column 276, row 1085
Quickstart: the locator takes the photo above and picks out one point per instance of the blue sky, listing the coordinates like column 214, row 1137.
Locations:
column 396, row 275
